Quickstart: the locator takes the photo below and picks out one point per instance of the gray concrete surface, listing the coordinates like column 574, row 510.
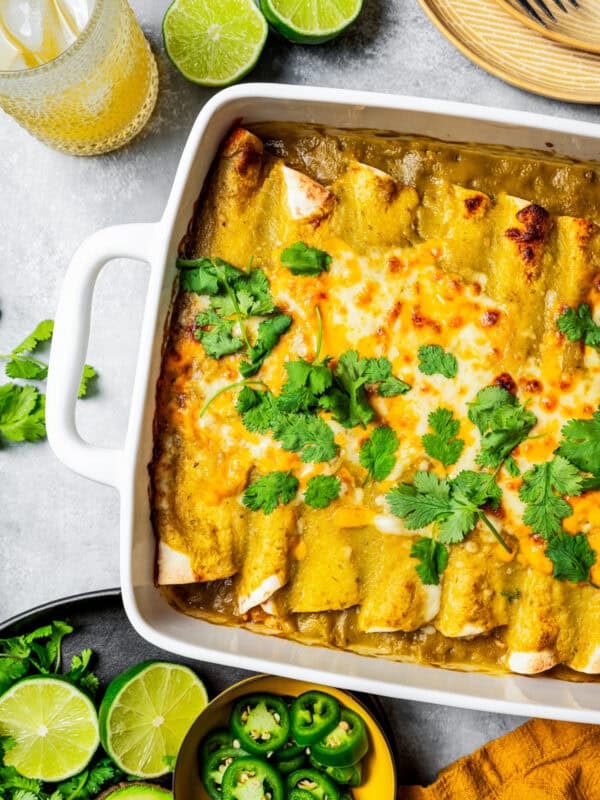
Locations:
column 58, row 532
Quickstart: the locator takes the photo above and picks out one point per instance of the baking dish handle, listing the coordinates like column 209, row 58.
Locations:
column 69, row 347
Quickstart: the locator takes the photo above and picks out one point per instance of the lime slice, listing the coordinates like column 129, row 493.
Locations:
column 54, row 725
column 145, row 714
column 214, row 42
column 311, row 21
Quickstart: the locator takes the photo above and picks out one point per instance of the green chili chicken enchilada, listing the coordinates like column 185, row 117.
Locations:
column 378, row 419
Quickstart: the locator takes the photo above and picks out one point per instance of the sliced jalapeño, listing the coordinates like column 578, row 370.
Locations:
column 346, row 744
column 312, row 716
column 251, row 778
column 261, row 723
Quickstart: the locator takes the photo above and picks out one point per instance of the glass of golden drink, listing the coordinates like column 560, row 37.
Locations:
column 92, row 97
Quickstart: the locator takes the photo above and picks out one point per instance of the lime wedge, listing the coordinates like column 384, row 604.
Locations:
column 54, row 725
column 145, row 714
column 214, row 42
column 311, row 21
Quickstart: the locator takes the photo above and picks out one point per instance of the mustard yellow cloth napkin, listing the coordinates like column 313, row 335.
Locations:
column 541, row 760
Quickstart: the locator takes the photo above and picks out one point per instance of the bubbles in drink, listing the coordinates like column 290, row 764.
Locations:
column 36, row 31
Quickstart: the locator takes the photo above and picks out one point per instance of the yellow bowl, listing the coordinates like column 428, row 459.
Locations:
column 379, row 770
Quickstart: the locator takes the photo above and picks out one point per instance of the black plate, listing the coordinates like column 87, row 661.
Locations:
column 100, row 622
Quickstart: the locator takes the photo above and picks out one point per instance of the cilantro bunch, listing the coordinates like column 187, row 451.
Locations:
column 22, row 408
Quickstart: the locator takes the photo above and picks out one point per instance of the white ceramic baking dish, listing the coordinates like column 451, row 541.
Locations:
column 126, row 469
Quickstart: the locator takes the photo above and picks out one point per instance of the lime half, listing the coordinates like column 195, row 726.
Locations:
column 214, row 42
column 54, row 725
column 311, row 21
column 145, row 714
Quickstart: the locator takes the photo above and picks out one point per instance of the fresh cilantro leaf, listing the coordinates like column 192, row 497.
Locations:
column 541, row 490
column 579, row 326
column 375, row 370
column 379, row 370
column 353, row 409
column 392, row 387
column 303, row 260
column 314, row 376
column 22, row 794
column 304, row 433
column 486, row 401
column 378, row 453
column 81, row 675
column 89, row 783
column 247, row 292
column 454, row 506
column 11, row 779
column 270, row 490
column 442, row 444
column 205, row 275
column 55, row 632
column 219, row 341
column 22, row 416
column 11, row 669
column 169, row 761
column 503, row 422
column 422, row 502
column 26, row 368
column 581, row 443
column 321, row 490
column 433, row 360
column 571, row 556
column 512, row 467
column 256, row 409
column 88, row 374
column 269, row 333
column 433, row 558
column 42, row 333
column 6, row 743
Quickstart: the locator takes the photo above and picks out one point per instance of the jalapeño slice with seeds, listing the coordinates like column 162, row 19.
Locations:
column 345, row 745
column 289, row 757
column 315, row 784
column 250, row 778
column 214, row 741
column 213, row 769
column 261, row 722
column 312, row 716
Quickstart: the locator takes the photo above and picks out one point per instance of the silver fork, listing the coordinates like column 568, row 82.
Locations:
column 544, row 11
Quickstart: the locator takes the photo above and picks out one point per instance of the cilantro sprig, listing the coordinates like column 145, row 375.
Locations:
column 580, row 443
column 443, row 443
column 434, row 360
column 578, row 326
column 503, row 424
column 453, row 506
column 542, row 490
column 270, row 490
column 235, row 296
column 378, row 453
column 432, row 557
column 22, row 408
column 303, row 260
column 572, row 557
column 321, row 490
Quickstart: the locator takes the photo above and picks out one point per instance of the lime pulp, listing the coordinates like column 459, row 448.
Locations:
column 54, row 725
column 145, row 714
column 214, row 42
column 311, row 22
